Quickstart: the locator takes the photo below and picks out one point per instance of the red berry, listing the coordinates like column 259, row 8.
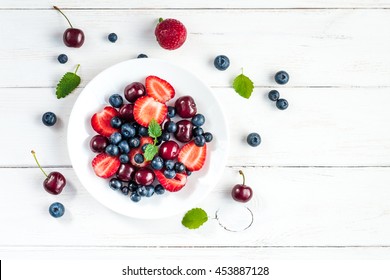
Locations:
column 146, row 109
column 159, row 89
column 184, row 131
column 192, row 156
column 170, row 33
column 169, row 150
column 105, row 166
column 101, row 121
column 144, row 176
column 241, row 192
column 98, row 143
column 126, row 112
column 185, row 107
column 134, row 91
column 125, row 172
column 172, row 185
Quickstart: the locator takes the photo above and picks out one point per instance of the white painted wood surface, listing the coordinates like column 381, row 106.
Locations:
column 321, row 175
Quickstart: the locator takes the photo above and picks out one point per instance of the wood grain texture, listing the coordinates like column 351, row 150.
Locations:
column 322, row 127
column 342, row 48
column 292, row 207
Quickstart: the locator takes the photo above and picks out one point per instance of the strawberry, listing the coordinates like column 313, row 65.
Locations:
column 192, row 156
column 146, row 109
column 105, row 166
column 159, row 89
column 171, row 185
column 101, row 121
column 170, row 33
column 133, row 152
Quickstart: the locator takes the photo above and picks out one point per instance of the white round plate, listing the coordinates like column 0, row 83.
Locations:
column 93, row 99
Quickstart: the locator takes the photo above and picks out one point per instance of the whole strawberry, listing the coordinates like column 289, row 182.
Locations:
column 170, row 33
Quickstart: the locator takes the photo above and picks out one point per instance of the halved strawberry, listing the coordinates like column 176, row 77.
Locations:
column 146, row 109
column 192, row 156
column 133, row 152
column 172, row 185
column 105, row 166
column 159, row 89
column 101, row 121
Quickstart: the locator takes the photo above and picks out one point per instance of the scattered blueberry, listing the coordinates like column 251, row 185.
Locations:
column 170, row 174
column 282, row 77
column 208, row 137
column 169, row 164
column 115, row 138
column 142, row 191
column 123, row 158
column 124, row 147
column 139, row 158
column 56, row 209
column 144, row 147
column 135, row 197
column 116, row 122
column 198, row 120
column 116, row 100
column 165, row 136
column 157, row 163
column 125, row 190
column 199, row 140
column 133, row 186
column 273, row 95
column 171, row 127
column 171, row 112
column 128, row 130
column 221, row 62
column 143, row 131
column 62, row 58
column 282, row 104
column 112, row 37
column 141, row 55
column 115, row 184
column 159, row 189
column 149, row 190
column 179, row 167
column 49, row 119
column 134, row 142
column 253, row 139
column 197, row 131
column 112, row 150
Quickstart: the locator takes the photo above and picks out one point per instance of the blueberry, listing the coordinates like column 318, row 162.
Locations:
column 123, row 158
column 112, row 37
column 134, row 142
column 188, row 173
column 128, row 130
column 157, row 163
column 135, row 197
column 49, row 119
column 282, row 104
column 170, row 174
column 199, row 140
column 143, row 131
column 169, row 164
column 143, row 148
column 136, row 126
column 208, row 137
column 159, row 141
column 142, row 191
column 197, row 131
column 141, row 55
column 253, row 139
column 171, row 127
column 171, row 112
column 179, row 167
column 165, row 136
column 158, row 189
column 198, row 120
column 139, row 158
column 133, row 186
column 115, row 184
column 149, row 190
column 56, row 209
column 125, row 190
column 62, row 58
column 116, row 122
column 282, row 77
column 115, row 138
column 221, row 62
column 112, row 150
column 124, row 147
column 273, row 95
column 116, row 100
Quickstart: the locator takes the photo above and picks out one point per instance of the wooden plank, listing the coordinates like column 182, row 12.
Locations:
column 322, row 127
column 291, row 207
column 319, row 47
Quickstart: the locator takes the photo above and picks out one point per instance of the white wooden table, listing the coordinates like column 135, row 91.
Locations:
column 321, row 175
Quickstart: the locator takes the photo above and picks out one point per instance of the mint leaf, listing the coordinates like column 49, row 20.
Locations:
column 150, row 152
column 68, row 83
column 154, row 129
column 243, row 86
column 194, row 218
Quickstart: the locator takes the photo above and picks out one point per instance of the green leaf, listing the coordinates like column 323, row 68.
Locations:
column 150, row 151
column 68, row 83
column 243, row 86
column 194, row 218
column 154, row 129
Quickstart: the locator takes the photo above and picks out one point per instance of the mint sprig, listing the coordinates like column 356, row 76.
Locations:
column 68, row 83
column 154, row 131
column 243, row 85
column 194, row 218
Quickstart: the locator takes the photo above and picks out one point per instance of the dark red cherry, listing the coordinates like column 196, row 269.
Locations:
column 185, row 107
column 98, row 143
column 144, row 176
column 184, row 131
column 241, row 192
column 73, row 37
column 125, row 172
column 169, row 150
column 134, row 91
column 126, row 112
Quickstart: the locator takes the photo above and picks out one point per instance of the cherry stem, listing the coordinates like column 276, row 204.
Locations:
column 36, row 160
column 243, row 177
column 58, row 9
column 77, row 68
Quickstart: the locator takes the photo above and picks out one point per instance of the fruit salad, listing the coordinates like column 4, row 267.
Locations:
column 147, row 141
